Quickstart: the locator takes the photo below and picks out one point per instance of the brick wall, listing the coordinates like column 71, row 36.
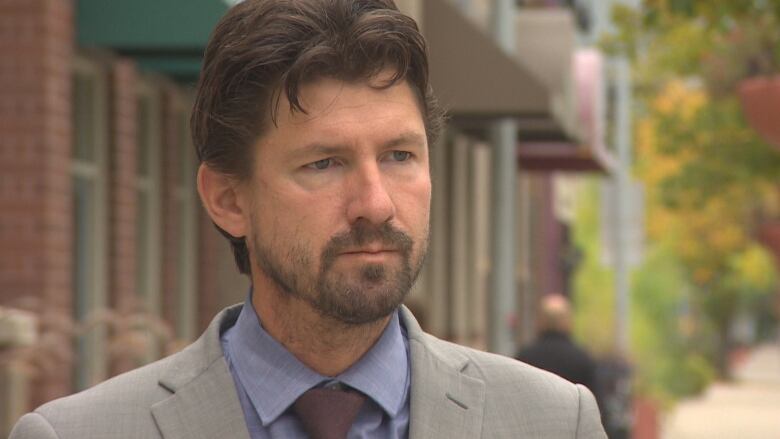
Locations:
column 208, row 240
column 36, row 230
column 36, row 47
column 122, row 195
column 171, row 223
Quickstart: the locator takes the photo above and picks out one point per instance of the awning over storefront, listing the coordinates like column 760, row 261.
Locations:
column 562, row 156
column 164, row 36
column 545, row 40
column 554, row 91
column 471, row 75
column 587, row 150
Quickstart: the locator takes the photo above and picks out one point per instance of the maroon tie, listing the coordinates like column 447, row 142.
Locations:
column 328, row 413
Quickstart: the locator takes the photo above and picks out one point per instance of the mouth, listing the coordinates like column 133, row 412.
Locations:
column 370, row 249
column 371, row 253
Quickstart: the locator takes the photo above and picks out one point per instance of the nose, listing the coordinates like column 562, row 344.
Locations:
column 368, row 196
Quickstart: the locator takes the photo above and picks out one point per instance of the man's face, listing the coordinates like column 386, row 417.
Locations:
column 341, row 199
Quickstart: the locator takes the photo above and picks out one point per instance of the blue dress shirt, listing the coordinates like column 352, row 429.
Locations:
column 269, row 379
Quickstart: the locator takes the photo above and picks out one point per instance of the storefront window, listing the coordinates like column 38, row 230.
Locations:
column 88, row 171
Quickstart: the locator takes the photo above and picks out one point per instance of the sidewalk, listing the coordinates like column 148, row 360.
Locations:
column 748, row 408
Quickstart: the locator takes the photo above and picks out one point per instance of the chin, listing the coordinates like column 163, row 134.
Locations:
column 361, row 304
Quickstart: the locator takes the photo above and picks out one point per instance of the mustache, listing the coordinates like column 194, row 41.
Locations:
column 363, row 232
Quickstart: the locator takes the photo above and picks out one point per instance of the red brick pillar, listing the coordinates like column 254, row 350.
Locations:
column 122, row 197
column 208, row 240
column 171, row 215
column 36, row 48
column 646, row 419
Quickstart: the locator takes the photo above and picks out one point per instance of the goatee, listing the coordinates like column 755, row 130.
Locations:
column 374, row 292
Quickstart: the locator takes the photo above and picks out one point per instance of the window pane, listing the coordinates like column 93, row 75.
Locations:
column 144, row 135
column 142, row 246
column 83, row 117
column 83, row 258
column 186, row 297
column 186, row 153
column 147, row 258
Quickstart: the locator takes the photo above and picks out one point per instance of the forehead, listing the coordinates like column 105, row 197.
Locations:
column 289, row 94
column 335, row 106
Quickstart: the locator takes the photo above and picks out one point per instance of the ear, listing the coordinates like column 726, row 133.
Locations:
column 223, row 202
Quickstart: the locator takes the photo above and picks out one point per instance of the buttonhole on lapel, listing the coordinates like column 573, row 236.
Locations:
column 458, row 403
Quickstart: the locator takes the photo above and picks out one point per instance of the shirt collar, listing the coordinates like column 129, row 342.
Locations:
column 383, row 372
column 273, row 378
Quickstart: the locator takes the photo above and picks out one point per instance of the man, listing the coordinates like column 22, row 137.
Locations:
column 554, row 349
column 312, row 122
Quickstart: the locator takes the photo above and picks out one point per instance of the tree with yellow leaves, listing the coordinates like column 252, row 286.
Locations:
column 708, row 179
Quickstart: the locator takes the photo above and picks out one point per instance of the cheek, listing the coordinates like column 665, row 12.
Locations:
column 305, row 221
column 287, row 216
column 274, row 219
column 414, row 207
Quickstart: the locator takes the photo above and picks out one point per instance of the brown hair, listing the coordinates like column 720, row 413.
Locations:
column 262, row 48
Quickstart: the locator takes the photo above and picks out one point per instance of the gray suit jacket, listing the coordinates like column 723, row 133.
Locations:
column 456, row 392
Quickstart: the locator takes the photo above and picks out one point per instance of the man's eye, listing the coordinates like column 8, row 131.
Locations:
column 401, row 156
column 321, row 164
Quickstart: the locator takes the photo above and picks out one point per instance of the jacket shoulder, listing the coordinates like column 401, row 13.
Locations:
column 523, row 398
column 504, row 372
column 121, row 406
column 118, row 407
column 33, row 426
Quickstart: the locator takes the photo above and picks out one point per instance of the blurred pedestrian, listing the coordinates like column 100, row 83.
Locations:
column 554, row 350
column 613, row 380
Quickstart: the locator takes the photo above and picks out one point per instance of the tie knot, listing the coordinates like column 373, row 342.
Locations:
column 328, row 413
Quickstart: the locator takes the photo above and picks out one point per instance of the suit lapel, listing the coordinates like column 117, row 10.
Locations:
column 207, row 407
column 445, row 403
column 204, row 402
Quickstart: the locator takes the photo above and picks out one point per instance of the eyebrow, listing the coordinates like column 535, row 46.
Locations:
column 405, row 138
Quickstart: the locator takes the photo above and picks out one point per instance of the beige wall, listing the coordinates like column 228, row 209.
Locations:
column 412, row 8
column 455, row 284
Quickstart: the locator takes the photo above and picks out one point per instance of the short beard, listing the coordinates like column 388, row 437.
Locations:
column 375, row 295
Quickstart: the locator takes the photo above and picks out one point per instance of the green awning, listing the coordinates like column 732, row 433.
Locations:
column 167, row 36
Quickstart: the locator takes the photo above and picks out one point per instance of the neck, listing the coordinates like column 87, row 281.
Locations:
column 327, row 346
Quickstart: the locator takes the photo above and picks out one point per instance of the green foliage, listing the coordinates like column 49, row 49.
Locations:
column 626, row 40
column 720, row 41
column 751, row 47
column 594, row 289
column 709, row 182
column 752, row 272
column 663, row 330
column 665, row 342
column 728, row 155
column 709, row 177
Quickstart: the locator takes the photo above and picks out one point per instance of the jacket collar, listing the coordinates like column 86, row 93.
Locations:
column 204, row 403
column 446, row 403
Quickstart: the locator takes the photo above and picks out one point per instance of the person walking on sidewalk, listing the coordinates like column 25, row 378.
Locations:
column 554, row 350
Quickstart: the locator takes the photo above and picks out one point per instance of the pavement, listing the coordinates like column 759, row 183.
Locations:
column 747, row 408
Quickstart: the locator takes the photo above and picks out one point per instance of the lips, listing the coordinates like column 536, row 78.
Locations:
column 365, row 242
column 376, row 250
column 369, row 251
